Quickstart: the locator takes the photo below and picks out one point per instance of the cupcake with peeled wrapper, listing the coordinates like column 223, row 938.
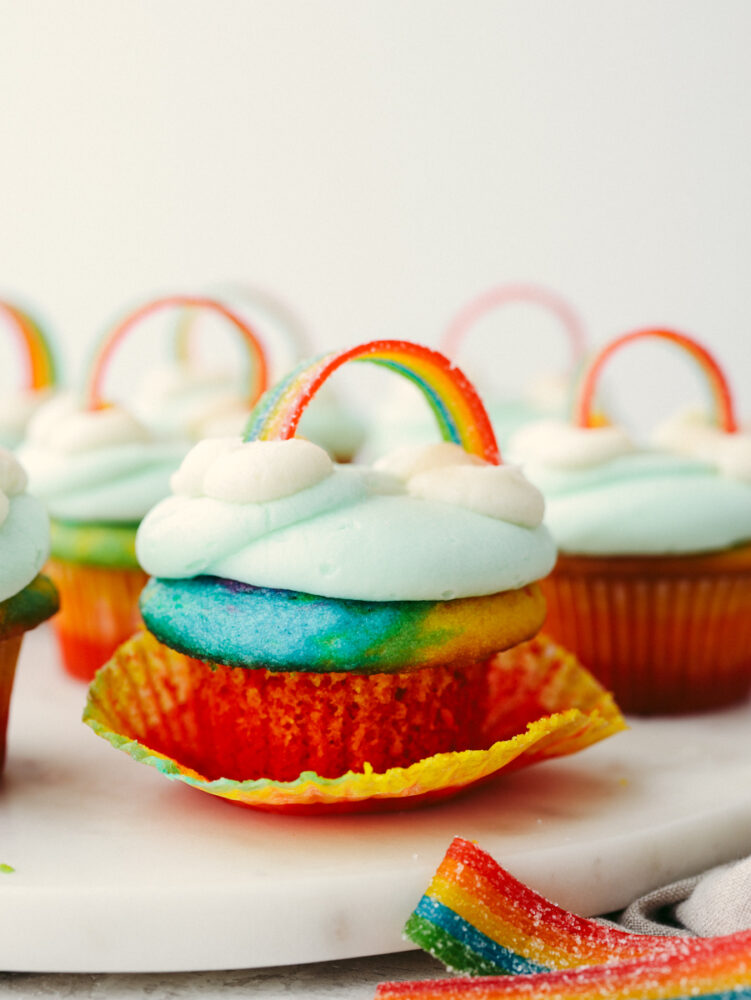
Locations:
column 99, row 469
column 652, row 589
column 327, row 637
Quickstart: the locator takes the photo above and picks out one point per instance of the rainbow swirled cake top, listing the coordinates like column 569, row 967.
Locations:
column 583, row 414
column 41, row 365
column 455, row 403
column 113, row 338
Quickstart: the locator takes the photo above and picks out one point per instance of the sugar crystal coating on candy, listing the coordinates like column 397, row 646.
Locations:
column 477, row 918
column 457, row 407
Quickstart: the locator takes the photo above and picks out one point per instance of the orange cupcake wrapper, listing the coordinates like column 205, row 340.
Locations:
column 98, row 612
column 662, row 641
column 9, row 650
column 554, row 707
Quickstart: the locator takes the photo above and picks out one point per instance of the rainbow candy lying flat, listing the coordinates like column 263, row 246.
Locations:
column 41, row 364
column 477, row 918
column 584, row 394
column 458, row 409
column 713, row 968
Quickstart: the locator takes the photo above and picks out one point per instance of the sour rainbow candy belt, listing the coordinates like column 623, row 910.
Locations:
column 583, row 415
column 509, row 295
column 41, row 366
column 712, row 968
column 477, row 918
column 106, row 348
column 458, row 409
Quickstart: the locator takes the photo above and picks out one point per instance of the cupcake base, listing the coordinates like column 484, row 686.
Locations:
column 9, row 650
column 534, row 702
column 99, row 611
column 665, row 634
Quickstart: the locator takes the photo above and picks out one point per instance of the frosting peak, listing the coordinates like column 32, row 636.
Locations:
column 693, row 434
column 564, row 446
column 250, row 472
column 63, row 426
column 429, row 524
column 96, row 465
column 24, row 529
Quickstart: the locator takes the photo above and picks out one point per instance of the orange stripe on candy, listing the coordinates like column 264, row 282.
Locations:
column 41, row 367
column 113, row 338
column 583, row 415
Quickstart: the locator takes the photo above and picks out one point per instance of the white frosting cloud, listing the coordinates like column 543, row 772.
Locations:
column 13, row 481
column 413, row 459
column 693, row 434
column 251, row 472
column 13, row 478
column 188, row 480
column 499, row 491
column 561, row 444
column 100, row 465
column 446, row 472
column 259, row 471
column 64, row 425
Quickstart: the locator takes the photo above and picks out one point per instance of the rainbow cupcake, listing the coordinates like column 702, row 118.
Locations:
column 26, row 597
column 99, row 470
column 652, row 588
column 325, row 635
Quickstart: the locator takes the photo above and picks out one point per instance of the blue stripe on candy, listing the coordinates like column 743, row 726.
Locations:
column 445, row 420
column 447, row 920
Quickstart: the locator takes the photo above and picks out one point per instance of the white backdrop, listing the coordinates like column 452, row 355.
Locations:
column 379, row 161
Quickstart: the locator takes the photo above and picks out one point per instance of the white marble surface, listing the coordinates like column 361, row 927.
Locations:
column 118, row 870
column 354, row 979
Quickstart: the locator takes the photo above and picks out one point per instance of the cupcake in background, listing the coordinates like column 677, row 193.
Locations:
column 99, row 469
column 402, row 419
column 652, row 588
column 40, row 375
column 325, row 636
column 26, row 597
column 189, row 398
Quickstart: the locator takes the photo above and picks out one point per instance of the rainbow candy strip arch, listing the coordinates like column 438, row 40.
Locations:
column 583, row 415
column 114, row 337
column 41, row 367
column 287, row 323
column 458, row 409
column 506, row 295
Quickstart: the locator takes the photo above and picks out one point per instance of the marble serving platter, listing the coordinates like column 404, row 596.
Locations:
column 118, row 870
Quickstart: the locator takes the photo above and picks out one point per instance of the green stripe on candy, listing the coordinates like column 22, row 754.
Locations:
column 452, row 953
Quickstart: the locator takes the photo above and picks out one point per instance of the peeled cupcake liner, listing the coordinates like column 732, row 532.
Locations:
column 666, row 634
column 544, row 705
column 99, row 611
